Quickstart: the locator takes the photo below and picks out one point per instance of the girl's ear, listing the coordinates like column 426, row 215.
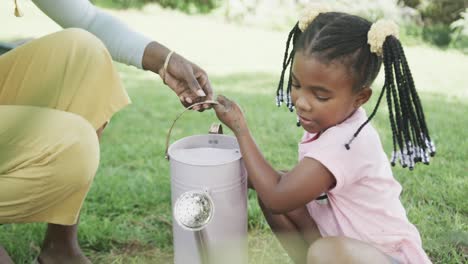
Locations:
column 362, row 96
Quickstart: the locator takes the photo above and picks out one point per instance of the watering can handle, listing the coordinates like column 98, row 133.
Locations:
column 212, row 129
column 216, row 129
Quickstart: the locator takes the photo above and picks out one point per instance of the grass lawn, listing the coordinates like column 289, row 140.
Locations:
column 127, row 217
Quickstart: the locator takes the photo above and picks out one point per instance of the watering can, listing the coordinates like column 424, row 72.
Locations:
column 209, row 198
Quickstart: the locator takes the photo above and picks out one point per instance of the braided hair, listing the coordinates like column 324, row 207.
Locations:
column 340, row 36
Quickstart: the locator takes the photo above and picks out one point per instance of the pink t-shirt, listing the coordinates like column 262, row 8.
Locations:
column 365, row 203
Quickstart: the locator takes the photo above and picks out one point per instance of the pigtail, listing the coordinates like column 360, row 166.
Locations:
column 410, row 131
column 288, row 61
column 410, row 136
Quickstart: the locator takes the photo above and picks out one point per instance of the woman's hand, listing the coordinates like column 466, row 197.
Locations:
column 187, row 80
column 230, row 114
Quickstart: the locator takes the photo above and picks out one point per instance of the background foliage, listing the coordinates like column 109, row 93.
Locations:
column 188, row 6
column 423, row 20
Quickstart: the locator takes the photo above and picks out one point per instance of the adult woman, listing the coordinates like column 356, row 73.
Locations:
column 57, row 93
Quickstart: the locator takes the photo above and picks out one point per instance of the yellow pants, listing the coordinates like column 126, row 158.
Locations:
column 55, row 92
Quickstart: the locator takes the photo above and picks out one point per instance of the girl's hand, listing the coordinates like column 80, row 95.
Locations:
column 230, row 114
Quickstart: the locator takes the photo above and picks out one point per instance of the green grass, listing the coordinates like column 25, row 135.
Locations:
column 127, row 218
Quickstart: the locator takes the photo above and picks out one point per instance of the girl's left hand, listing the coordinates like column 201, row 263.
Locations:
column 230, row 114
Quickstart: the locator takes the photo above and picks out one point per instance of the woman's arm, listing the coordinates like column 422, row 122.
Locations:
column 124, row 44
column 186, row 79
column 302, row 184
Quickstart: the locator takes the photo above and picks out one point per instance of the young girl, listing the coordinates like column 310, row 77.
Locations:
column 340, row 203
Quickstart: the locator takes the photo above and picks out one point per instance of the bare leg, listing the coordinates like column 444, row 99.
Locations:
column 295, row 230
column 4, row 257
column 61, row 242
column 100, row 130
column 61, row 246
column 345, row 250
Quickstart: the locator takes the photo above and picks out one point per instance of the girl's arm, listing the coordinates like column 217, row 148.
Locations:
column 280, row 194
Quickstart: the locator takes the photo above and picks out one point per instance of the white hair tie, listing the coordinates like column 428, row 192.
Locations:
column 310, row 13
column 377, row 34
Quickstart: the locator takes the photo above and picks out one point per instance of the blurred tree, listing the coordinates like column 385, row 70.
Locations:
column 189, row 6
column 410, row 3
column 442, row 11
column 461, row 24
column 437, row 16
column 460, row 32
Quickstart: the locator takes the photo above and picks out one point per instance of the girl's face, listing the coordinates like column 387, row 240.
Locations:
column 322, row 93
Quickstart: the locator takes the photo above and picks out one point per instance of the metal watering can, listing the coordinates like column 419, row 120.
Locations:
column 209, row 198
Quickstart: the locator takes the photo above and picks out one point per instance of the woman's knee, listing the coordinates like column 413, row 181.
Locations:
column 77, row 163
column 85, row 151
